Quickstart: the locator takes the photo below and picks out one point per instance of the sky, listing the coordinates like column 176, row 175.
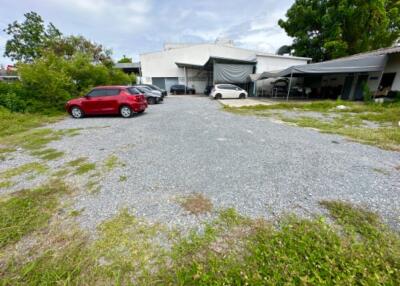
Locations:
column 132, row 27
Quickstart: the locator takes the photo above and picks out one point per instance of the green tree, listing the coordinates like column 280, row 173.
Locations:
column 29, row 38
column 71, row 45
column 328, row 29
column 124, row 59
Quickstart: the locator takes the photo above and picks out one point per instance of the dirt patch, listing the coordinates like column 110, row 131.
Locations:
column 196, row 204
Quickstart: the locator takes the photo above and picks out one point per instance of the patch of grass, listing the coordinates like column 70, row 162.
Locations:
column 81, row 165
column 77, row 162
column 93, row 186
column 85, row 168
column 347, row 122
column 384, row 137
column 28, row 168
column 12, row 123
column 69, row 262
column 28, row 210
column 123, row 178
column 112, row 162
column 128, row 250
column 48, row 154
column 196, row 204
column 6, row 184
column 296, row 252
column 5, row 151
column 232, row 250
column 381, row 171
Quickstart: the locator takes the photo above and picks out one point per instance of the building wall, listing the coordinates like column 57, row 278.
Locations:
column 393, row 66
column 163, row 63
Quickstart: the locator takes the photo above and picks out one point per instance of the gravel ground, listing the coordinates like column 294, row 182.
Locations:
column 259, row 167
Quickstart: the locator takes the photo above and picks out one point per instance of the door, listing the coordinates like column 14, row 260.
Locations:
column 359, row 92
column 109, row 102
column 91, row 103
column 159, row 81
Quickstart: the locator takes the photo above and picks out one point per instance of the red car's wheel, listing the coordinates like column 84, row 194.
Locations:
column 76, row 112
column 126, row 111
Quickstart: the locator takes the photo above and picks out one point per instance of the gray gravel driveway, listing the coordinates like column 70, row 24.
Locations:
column 259, row 167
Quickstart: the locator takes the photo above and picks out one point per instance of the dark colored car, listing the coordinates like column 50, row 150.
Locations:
column 182, row 89
column 208, row 89
column 152, row 96
column 121, row 100
column 154, row 87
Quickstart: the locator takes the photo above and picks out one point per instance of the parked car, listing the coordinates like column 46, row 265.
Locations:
column 152, row 96
column 208, row 89
column 154, row 87
column 227, row 91
column 108, row 100
column 182, row 89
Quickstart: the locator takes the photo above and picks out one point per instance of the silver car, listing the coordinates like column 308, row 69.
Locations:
column 152, row 96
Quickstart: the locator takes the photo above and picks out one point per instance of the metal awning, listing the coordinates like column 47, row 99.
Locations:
column 339, row 66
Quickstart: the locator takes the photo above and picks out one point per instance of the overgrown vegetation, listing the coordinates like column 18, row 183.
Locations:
column 356, row 249
column 349, row 122
column 53, row 68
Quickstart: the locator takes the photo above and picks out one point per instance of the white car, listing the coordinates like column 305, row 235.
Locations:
column 227, row 91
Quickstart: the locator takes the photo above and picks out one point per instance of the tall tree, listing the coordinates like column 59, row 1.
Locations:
column 29, row 38
column 124, row 59
column 328, row 29
column 69, row 46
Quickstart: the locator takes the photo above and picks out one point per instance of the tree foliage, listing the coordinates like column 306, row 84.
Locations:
column 54, row 68
column 29, row 38
column 328, row 29
column 124, row 59
column 71, row 45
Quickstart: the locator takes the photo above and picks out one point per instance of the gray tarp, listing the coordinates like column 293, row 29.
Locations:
column 232, row 73
column 345, row 65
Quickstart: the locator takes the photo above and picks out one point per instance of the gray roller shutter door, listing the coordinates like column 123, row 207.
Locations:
column 159, row 81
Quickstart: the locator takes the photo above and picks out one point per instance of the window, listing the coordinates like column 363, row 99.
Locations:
column 104, row 92
column 96, row 93
column 134, row 90
column 223, row 86
column 111, row 91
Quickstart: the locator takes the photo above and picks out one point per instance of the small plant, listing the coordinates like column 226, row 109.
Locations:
column 368, row 95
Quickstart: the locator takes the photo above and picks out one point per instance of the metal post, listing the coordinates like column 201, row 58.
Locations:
column 184, row 68
column 290, row 86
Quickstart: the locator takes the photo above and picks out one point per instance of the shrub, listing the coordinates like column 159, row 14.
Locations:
column 48, row 83
column 11, row 101
column 367, row 94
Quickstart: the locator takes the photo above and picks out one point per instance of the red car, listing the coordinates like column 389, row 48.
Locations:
column 123, row 100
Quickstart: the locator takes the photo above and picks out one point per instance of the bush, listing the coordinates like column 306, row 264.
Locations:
column 50, row 81
column 11, row 101
column 368, row 96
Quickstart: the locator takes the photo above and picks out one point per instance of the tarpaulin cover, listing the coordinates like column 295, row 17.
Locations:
column 232, row 73
column 345, row 65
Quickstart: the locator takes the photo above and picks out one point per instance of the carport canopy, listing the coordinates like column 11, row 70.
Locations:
column 339, row 66
column 226, row 70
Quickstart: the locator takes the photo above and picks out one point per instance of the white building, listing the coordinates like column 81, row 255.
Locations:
column 199, row 65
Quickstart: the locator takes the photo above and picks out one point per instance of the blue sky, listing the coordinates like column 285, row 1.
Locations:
column 139, row 26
